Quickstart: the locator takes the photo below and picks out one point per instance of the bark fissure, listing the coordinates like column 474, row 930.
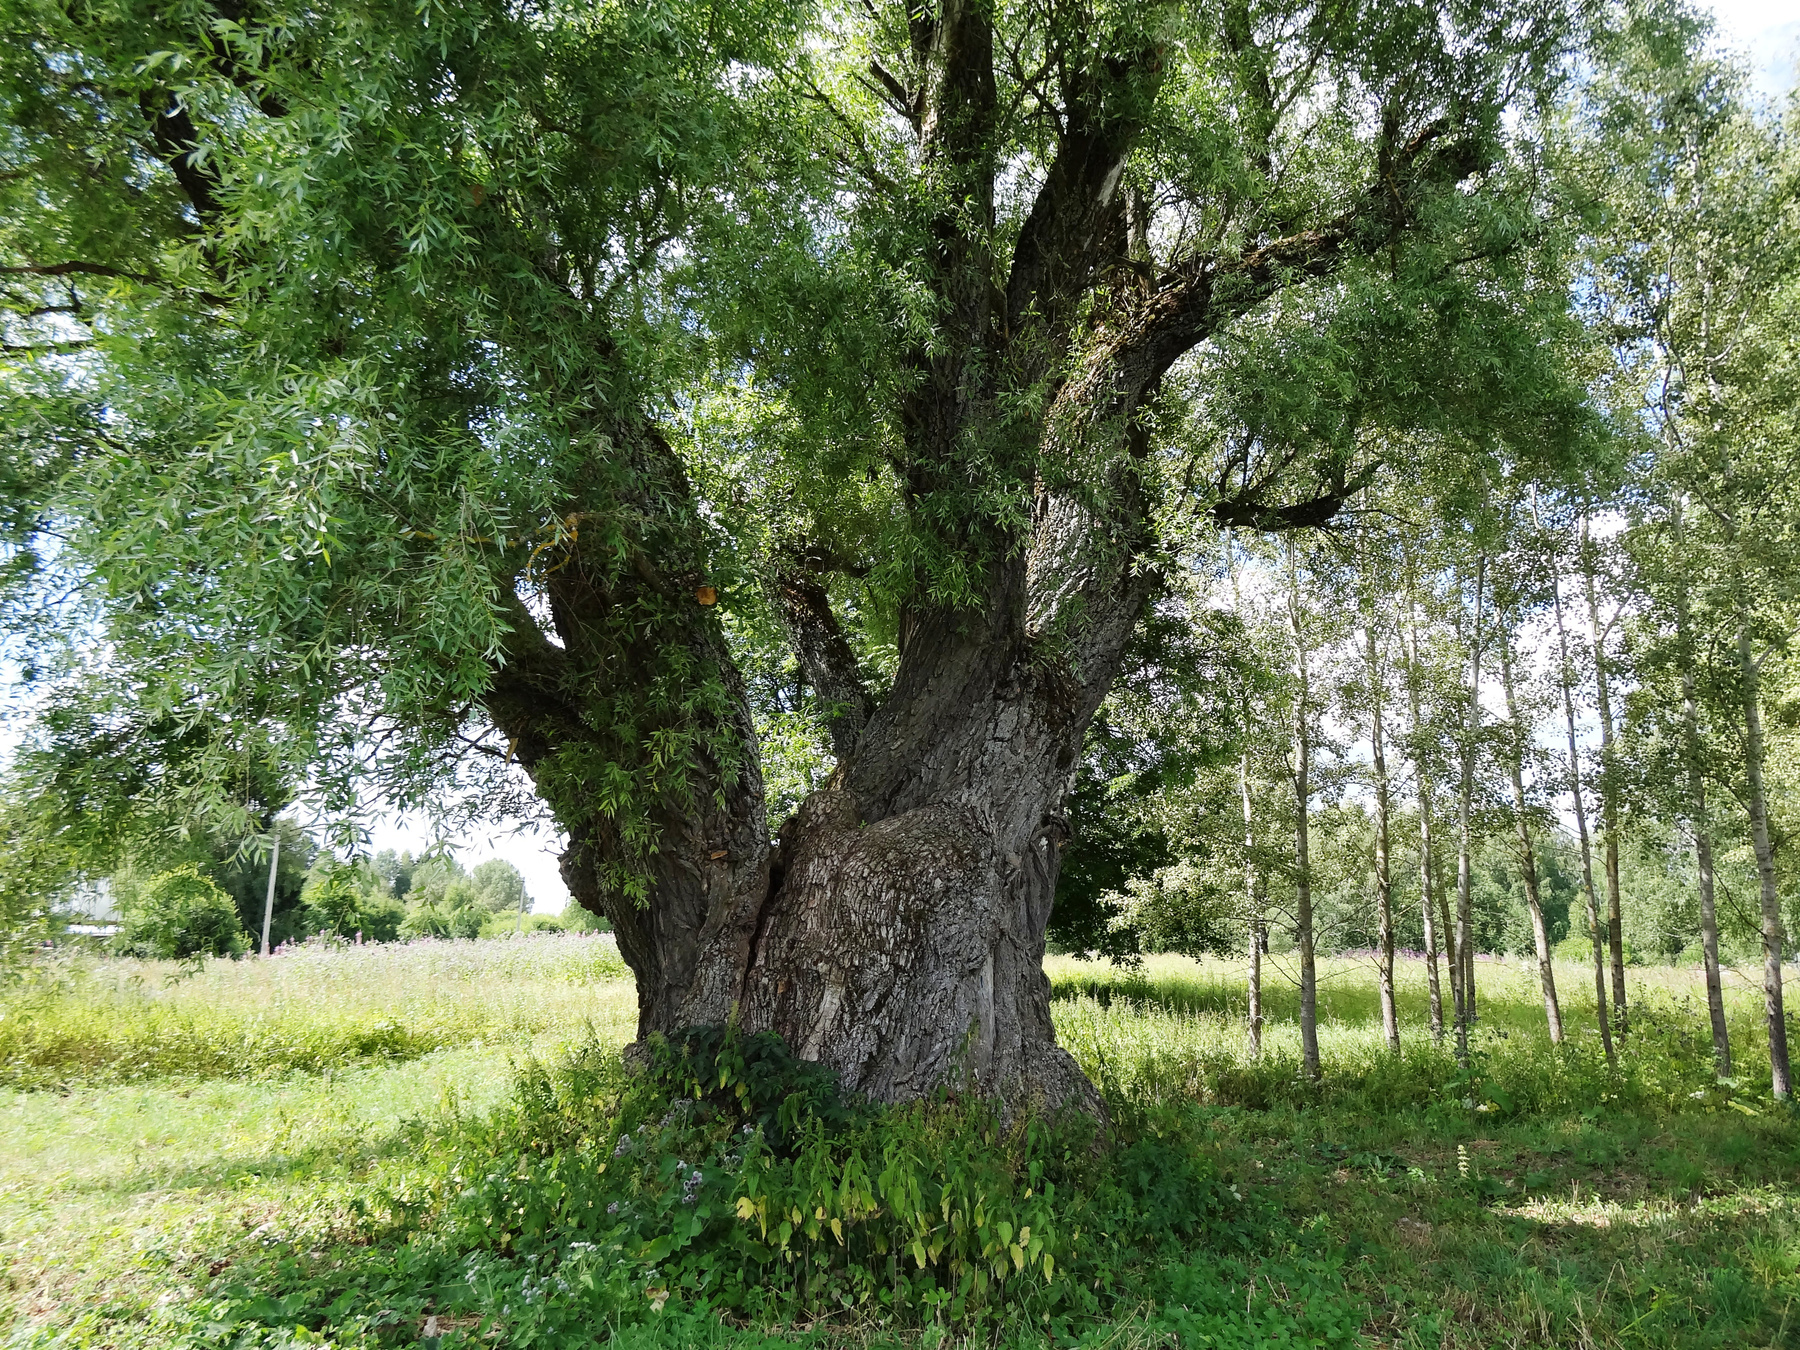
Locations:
column 896, row 929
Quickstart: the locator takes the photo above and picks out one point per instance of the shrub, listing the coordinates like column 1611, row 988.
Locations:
column 457, row 912
column 343, row 900
column 500, row 885
column 506, row 924
column 727, row 1174
column 577, row 918
column 180, row 914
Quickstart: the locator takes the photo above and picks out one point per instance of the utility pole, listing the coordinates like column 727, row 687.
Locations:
column 269, row 900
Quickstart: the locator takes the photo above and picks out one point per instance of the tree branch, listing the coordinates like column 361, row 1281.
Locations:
column 826, row 657
column 178, row 142
column 1197, row 297
column 1072, row 230
column 28, row 348
column 1246, row 510
column 895, row 95
column 69, row 269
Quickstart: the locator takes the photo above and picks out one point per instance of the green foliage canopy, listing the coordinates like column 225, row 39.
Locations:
column 346, row 343
column 180, row 914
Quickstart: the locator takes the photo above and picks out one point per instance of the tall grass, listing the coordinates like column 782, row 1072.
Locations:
column 317, row 1007
column 1538, row 1196
column 1174, row 1029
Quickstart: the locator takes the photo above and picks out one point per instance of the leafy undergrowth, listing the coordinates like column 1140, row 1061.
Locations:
column 729, row 1181
column 321, row 1007
column 1539, row 1198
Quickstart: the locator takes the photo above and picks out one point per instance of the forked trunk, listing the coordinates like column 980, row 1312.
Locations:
column 896, row 930
column 901, row 937
column 897, row 933
column 1527, row 862
column 1595, row 929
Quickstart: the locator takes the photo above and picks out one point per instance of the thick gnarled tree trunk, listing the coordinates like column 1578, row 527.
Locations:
column 902, row 937
column 895, row 931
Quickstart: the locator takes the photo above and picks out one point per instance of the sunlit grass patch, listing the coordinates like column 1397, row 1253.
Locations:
column 1175, row 1028
column 1384, row 1207
column 309, row 1010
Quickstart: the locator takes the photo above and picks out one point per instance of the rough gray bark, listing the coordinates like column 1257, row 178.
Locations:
column 1527, row 859
column 825, row 655
column 896, row 930
column 712, row 847
column 1595, row 928
column 902, row 939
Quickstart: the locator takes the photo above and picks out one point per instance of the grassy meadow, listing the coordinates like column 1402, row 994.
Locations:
column 223, row 1157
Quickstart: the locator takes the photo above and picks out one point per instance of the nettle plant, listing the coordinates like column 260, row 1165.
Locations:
column 723, row 1171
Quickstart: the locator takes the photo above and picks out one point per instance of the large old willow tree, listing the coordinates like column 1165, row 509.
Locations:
column 400, row 394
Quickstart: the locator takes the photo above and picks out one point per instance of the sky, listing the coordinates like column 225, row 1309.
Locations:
column 1768, row 31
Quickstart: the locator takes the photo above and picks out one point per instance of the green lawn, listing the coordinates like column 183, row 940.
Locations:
column 1540, row 1199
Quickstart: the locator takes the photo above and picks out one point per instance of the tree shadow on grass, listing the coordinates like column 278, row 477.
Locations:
column 339, row 1152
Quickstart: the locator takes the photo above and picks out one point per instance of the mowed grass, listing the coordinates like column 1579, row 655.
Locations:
column 1541, row 1198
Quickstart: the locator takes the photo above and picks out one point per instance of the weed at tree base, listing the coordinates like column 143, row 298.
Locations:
column 1538, row 1198
column 731, row 1178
